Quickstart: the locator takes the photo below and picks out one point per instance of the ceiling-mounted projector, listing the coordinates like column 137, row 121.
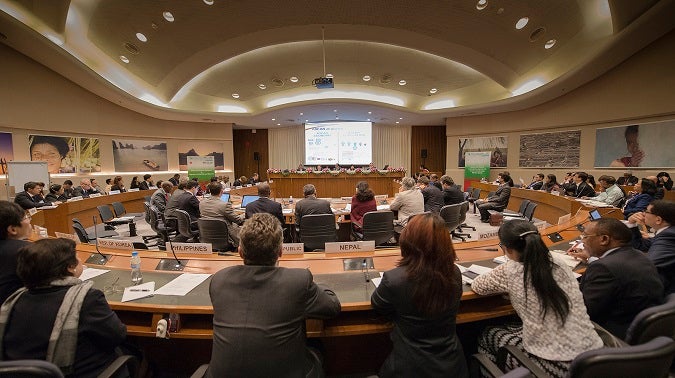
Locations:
column 323, row 82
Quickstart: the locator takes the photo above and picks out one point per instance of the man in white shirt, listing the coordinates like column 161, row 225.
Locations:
column 409, row 201
column 612, row 193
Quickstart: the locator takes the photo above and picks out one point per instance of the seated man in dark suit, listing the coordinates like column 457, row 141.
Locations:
column 580, row 188
column 14, row 229
column 189, row 202
column 537, row 182
column 433, row 197
column 175, row 180
column 161, row 196
column 310, row 204
column 660, row 216
column 264, row 204
column 259, row 309
column 253, row 180
column 621, row 281
column 31, row 197
column 146, row 183
column 68, row 189
column 627, row 179
column 451, row 193
column 172, row 203
column 498, row 201
column 84, row 190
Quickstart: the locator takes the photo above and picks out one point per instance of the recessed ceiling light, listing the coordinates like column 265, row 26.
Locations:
column 402, row 82
column 368, row 119
column 262, row 86
column 306, row 120
column 550, row 43
column 334, row 110
column 168, row 16
column 397, row 122
column 329, row 76
column 302, row 113
column 482, row 4
column 366, row 78
column 370, row 112
column 400, row 117
column 274, row 119
column 336, row 117
column 235, row 95
column 278, row 124
column 537, row 33
column 433, row 90
column 141, row 37
column 208, row 2
column 522, row 22
column 124, row 59
column 294, row 79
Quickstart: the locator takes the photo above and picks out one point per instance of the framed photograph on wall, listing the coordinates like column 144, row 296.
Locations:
column 550, row 150
column 647, row 145
column 496, row 146
column 139, row 155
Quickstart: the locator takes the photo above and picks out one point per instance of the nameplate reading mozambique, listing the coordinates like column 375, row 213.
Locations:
column 67, row 236
column 114, row 192
column 133, row 190
column 94, row 195
column 126, row 245
column 191, row 248
column 357, row 246
column 293, row 248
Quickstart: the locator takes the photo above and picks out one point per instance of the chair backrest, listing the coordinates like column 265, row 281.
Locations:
column 105, row 213
column 147, row 198
column 316, row 230
column 214, row 231
column 529, row 211
column 119, row 209
column 378, row 226
column 80, row 231
column 183, row 219
column 146, row 206
column 463, row 211
column 476, row 193
column 652, row 322
column 523, row 206
column 651, row 359
column 29, row 368
column 451, row 214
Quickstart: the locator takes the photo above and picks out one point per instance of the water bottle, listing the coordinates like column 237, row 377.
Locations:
column 290, row 200
column 136, row 275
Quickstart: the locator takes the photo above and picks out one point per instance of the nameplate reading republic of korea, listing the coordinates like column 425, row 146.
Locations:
column 67, row 236
column 191, row 248
column 126, row 245
column 356, row 246
column 293, row 248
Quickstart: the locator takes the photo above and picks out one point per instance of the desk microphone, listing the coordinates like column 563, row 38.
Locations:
column 365, row 272
column 97, row 258
column 178, row 263
column 171, row 264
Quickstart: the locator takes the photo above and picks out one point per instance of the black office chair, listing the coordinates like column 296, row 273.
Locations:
column 185, row 226
column 377, row 226
column 451, row 214
column 215, row 231
column 529, row 211
column 41, row 368
column 157, row 225
column 316, row 230
column 490, row 369
column 109, row 219
column 85, row 237
column 521, row 210
column 462, row 220
column 475, row 195
column 651, row 359
column 652, row 322
column 120, row 211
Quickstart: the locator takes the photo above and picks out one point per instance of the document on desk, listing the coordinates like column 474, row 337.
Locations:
column 567, row 259
column 182, row 284
column 376, row 280
column 144, row 290
column 90, row 273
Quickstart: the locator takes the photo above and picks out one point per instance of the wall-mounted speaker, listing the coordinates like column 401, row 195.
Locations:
column 424, row 153
column 256, row 156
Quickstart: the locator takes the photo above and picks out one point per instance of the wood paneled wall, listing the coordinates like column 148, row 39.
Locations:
column 433, row 140
column 246, row 144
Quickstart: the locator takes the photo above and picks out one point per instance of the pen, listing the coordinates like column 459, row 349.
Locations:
column 139, row 289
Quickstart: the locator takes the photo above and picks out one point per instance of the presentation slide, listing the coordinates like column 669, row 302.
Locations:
column 345, row 143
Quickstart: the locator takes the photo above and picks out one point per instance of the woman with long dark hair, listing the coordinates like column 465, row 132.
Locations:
column 555, row 325
column 118, row 184
column 135, row 184
column 550, row 183
column 646, row 189
column 362, row 202
column 422, row 296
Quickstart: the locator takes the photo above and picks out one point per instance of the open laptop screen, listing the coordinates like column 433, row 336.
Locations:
column 248, row 198
column 225, row 197
column 595, row 214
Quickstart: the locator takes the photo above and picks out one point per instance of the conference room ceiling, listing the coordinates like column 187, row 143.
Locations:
column 426, row 60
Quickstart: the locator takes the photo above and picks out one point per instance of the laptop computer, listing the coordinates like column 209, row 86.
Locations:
column 248, row 198
column 225, row 197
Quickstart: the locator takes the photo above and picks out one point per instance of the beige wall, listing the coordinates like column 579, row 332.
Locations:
column 35, row 99
column 641, row 89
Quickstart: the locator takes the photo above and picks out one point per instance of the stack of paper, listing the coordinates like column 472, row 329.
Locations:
column 470, row 273
column 139, row 291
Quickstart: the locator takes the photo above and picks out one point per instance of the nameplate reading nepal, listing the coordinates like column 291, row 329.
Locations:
column 361, row 246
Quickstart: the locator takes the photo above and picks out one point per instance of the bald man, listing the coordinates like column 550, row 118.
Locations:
column 85, row 189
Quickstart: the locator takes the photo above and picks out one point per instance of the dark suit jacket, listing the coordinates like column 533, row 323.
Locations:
column 433, row 199
column 188, row 202
column 536, row 185
column 265, row 205
column 583, row 190
column 259, row 317
column 636, row 204
column 618, row 286
column 27, row 202
column 452, row 195
column 423, row 346
column 159, row 199
column 143, row 185
column 661, row 251
column 311, row 205
column 79, row 191
column 501, row 197
column 172, row 204
column 9, row 281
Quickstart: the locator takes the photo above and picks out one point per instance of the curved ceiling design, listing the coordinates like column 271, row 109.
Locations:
column 390, row 59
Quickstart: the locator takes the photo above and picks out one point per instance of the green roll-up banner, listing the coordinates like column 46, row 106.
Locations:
column 476, row 167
